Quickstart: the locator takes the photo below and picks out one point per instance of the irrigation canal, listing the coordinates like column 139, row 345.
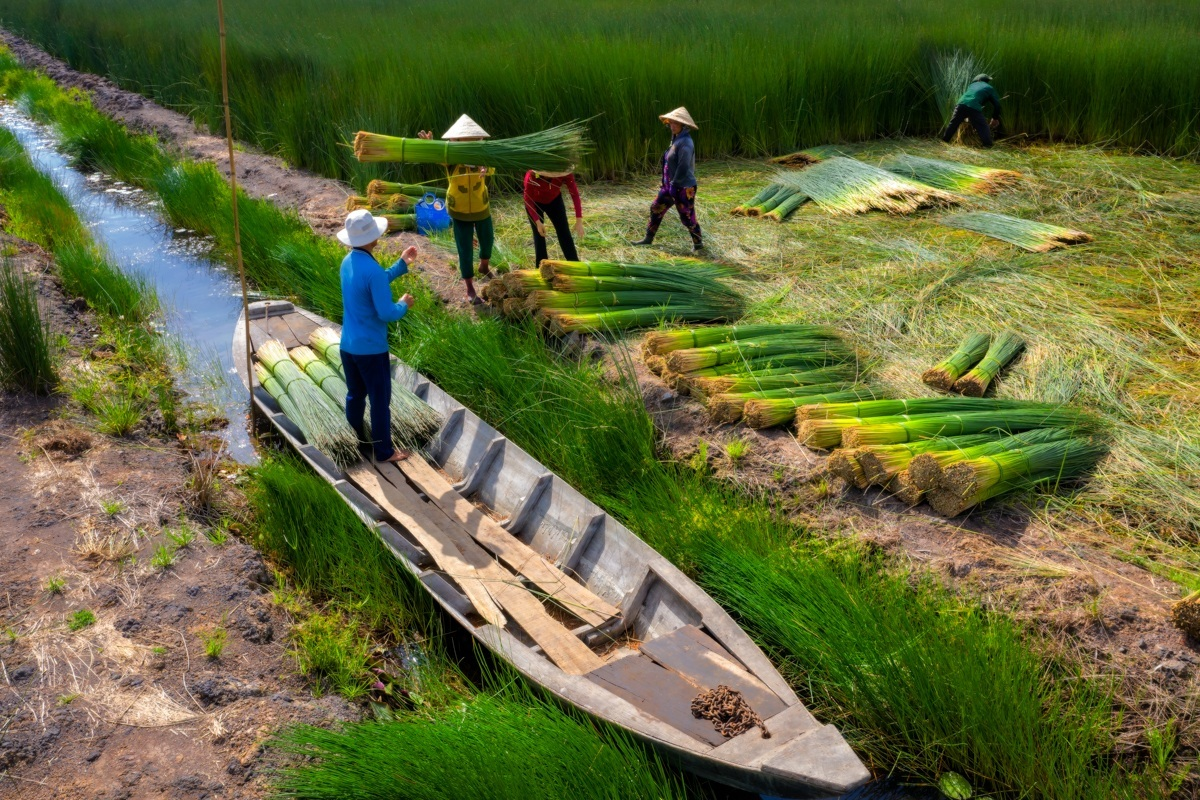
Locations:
column 200, row 299
column 201, row 302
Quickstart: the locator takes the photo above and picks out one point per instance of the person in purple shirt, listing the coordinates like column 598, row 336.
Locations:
column 367, row 308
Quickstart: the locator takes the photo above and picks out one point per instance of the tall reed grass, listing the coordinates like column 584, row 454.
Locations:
column 759, row 79
column 26, row 343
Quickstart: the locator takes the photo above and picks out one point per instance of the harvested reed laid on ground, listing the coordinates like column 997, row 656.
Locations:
column 920, row 405
column 1185, row 615
column 556, row 149
column 780, row 411
column 1003, row 349
column 951, row 175
column 673, row 291
column 413, row 420
column 969, row 483
column 779, row 378
column 318, row 417
column 894, row 430
column 846, row 186
column 378, row 187
column 1036, row 237
column 757, row 201
column 801, row 159
column 926, row 468
column 970, row 350
column 663, row 342
column 880, row 463
column 845, row 464
column 728, row 406
column 750, row 350
column 379, row 202
column 400, row 222
column 777, row 201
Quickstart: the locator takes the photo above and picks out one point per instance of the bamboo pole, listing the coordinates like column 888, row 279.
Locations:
column 237, row 231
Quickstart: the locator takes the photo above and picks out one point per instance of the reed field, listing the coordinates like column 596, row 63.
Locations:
column 919, row 679
column 759, row 78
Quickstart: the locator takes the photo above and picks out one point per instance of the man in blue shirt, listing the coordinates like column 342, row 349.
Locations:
column 970, row 107
column 367, row 308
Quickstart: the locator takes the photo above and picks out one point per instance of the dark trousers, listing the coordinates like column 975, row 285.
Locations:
column 684, row 200
column 978, row 120
column 464, row 239
column 370, row 377
column 556, row 210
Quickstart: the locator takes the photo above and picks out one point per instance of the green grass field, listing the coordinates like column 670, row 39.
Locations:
column 306, row 74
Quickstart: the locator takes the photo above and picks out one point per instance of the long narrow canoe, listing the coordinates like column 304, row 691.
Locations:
column 577, row 603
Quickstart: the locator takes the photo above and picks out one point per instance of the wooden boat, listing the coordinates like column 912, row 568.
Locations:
column 569, row 596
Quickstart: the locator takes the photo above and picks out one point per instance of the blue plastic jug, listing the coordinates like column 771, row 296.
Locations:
column 432, row 214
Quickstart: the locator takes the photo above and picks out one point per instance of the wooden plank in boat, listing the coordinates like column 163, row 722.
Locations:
column 704, row 663
column 258, row 335
column 752, row 750
column 444, row 552
column 577, row 599
column 277, row 328
column 569, row 653
column 658, row 692
column 300, row 327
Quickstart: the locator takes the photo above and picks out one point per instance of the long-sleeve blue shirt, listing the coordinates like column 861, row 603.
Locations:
column 679, row 162
column 367, row 305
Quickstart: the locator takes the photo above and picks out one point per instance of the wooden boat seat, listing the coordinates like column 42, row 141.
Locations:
column 698, row 659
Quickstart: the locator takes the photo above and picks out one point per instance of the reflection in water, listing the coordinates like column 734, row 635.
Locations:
column 200, row 299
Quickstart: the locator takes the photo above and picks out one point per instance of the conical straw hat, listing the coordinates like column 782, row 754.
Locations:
column 681, row 116
column 466, row 128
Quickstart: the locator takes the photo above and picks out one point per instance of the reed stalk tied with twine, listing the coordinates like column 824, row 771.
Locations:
column 966, row 355
column 1004, row 348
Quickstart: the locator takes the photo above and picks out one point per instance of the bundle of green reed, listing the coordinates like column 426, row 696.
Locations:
column 662, row 342
column 893, row 430
column 755, row 202
column 549, row 299
column 784, row 209
column 845, row 464
column 968, row 483
column 378, row 187
column 777, row 201
column 776, row 378
column 1004, row 348
column 780, row 411
column 926, row 468
column 700, row 275
column 758, row 349
column 846, row 186
column 557, row 149
column 379, row 202
column 969, row 351
column 729, row 406
column 561, row 323
column 951, row 175
column 880, row 463
column 413, row 420
column 330, row 381
column 400, row 222
column 318, row 417
column 1036, row 237
column 920, row 405
column 328, row 343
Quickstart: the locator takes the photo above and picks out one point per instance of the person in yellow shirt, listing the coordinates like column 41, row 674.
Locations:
column 468, row 206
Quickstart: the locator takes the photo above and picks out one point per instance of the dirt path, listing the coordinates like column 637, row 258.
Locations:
column 128, row 706
column 1065, row 581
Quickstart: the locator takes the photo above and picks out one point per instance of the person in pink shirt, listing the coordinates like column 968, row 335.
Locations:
column 543, row 198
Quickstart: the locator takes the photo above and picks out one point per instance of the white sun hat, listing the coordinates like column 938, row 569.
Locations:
column 466, row 128
column 681, row 116
column 361, row 228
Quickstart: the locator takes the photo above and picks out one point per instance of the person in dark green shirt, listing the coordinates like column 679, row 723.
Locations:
column 970, row 107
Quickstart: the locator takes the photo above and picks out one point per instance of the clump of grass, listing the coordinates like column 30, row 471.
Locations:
column 737, row 450
column 56, row 584
column 164, row 557
column 83, row 618
column 181, row 536
column 214, row 640
column 88, row 273
column 27, row 348
column 332, row 649
column 549, row 752
column 118, row 413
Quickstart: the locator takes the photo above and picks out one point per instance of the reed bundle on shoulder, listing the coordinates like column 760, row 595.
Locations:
column 1003, row 349
column 968, row 483
column 316, row 414
column 556, row 149
column 951, row 175
column 378, row 187
column 970, row 350
column 846, row 186
column 1036, row 237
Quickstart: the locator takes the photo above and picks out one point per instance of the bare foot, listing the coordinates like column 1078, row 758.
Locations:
column 397, row 457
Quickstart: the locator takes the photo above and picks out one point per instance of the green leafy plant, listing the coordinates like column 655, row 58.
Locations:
column 56, row 584
column 164, row 557
column 81, row 619
column 214, row 640
column 27, row 350
column 181, row 536
column 112, row 507
column 737, row 450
